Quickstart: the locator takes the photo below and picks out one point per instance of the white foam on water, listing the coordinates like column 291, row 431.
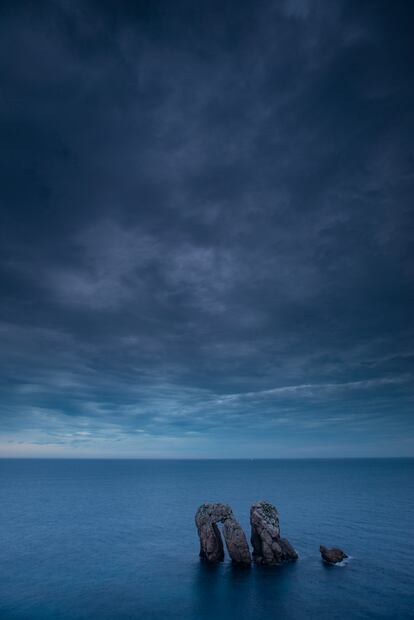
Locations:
column 344, row 562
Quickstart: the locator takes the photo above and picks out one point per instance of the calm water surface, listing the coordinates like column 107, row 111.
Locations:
column 116, row 539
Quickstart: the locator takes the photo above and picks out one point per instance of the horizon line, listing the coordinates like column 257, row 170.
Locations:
column 282, row 458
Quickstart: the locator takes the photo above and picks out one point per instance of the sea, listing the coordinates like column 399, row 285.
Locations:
column 109, row 539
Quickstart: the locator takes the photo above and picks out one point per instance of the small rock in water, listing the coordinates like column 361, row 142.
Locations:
column 333, row 555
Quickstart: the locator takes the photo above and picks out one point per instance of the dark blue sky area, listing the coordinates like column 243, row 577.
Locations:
column 206, row 238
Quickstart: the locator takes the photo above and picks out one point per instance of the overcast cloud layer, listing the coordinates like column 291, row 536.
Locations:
column 206, row 236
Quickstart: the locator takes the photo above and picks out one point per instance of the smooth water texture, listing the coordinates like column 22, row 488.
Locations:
column 116, row 539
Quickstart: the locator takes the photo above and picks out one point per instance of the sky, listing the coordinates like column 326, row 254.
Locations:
column 206, row 229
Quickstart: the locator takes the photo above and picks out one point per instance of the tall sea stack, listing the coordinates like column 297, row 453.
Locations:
column 268, row 547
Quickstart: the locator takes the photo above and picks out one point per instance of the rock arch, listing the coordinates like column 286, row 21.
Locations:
column 211, row 543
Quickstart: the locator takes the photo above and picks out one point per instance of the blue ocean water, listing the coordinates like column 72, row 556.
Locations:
column 116, row 539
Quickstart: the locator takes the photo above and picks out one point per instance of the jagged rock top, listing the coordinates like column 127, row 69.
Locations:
column 213, row 513
column 264, row 515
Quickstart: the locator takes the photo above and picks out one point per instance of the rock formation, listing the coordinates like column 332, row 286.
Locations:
column 211, row 544
column 236, row 542
column 333, row 555
column 268, row 547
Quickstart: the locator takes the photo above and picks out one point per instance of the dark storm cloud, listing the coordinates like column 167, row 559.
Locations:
column 206, row 226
